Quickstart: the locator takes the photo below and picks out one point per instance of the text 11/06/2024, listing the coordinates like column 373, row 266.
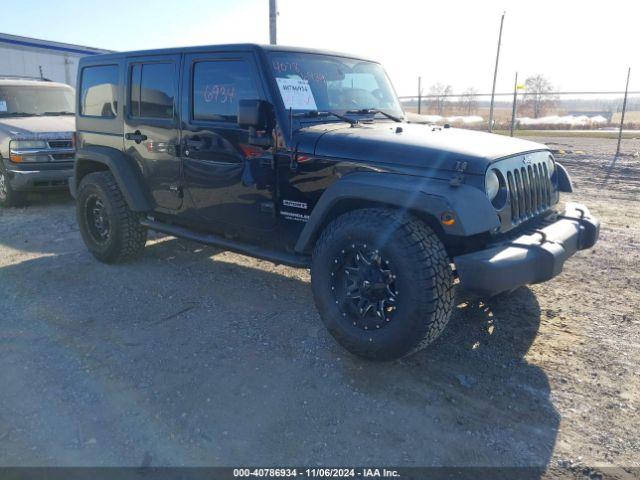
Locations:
column 316, row 472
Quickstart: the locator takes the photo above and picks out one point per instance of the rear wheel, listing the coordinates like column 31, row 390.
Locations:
column 111, row 231
column 8, row 196
column 382, row 283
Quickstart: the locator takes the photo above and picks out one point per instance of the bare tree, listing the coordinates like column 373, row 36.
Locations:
column 538, row 97
column 439, row 99
column 469, row 100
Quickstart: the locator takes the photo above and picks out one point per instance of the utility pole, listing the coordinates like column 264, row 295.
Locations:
column 513, row 108
column 273, row 22
column 419, row 95
column 495, row 75
column 624, row 109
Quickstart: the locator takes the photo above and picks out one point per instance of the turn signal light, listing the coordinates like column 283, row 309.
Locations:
column 15, row 158
column 447, row 219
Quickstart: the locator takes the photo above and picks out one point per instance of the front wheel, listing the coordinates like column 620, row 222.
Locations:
column 110, row 230
column 8, row 196
column 382, row 283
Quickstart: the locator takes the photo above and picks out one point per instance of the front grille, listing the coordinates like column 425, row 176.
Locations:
column 529, row 187
column 60, row 143
column 530, row 191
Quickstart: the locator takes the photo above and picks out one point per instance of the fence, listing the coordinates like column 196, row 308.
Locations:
column 551, row 111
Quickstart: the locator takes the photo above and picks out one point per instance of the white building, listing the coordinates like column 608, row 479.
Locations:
column 30, row 57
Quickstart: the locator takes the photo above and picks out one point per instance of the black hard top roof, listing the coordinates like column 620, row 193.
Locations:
column 232, row 47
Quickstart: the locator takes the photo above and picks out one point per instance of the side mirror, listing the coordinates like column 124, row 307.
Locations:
column 257, row 116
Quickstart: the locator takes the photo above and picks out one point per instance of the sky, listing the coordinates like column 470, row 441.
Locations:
column 578, row 45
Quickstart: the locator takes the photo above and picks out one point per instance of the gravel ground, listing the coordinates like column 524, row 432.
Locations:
column 195, row 356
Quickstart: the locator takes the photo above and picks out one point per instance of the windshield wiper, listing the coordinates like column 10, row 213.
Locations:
column 19, row 114
column 318, row 114
column 373, row 111
column 58, row 113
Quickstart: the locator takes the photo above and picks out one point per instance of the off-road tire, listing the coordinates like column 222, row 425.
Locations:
column 423, row 276
column 8, row 196
column 126, row 238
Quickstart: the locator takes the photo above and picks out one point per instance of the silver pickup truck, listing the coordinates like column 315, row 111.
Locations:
column 37, row 125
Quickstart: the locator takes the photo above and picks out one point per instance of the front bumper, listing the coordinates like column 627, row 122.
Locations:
column 528, row 259
column 22, row 180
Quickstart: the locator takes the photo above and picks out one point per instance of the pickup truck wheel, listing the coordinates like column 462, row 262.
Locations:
column 111, row 231
column 382, row 283
column 8, row 196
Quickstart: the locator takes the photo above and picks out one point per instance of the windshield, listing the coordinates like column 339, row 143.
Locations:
column 327, row 83
column 21, row 100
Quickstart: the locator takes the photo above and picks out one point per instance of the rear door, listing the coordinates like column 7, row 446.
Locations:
column 229, row 181
column 151, row 133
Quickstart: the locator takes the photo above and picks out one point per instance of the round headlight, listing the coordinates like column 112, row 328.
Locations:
column 492, row 184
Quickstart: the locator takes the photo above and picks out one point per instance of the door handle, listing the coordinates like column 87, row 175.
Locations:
column 192, row 144
column 135, row 136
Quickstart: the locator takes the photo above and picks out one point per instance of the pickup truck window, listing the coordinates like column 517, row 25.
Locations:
column 152, row 90
column 337, row 83
column 99, row 91
column 21, row 100
column 217, row 87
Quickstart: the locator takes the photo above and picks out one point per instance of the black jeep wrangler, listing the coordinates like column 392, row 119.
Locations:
column 305, row 158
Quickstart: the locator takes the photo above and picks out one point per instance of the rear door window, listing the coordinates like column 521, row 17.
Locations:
column 152, row 90
column 218, row 85
column 99, row 91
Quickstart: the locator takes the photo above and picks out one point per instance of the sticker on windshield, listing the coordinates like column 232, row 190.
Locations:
column 296, row 94
column 3, row 105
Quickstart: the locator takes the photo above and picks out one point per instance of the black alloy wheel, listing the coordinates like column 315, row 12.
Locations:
column 97, row 219
column 364, row 286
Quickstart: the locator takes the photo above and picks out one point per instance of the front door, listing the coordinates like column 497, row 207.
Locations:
column 151, row 133
column 229, row 182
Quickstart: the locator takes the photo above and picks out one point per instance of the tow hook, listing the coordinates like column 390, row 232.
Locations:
column 580, row 222
column 543, row 235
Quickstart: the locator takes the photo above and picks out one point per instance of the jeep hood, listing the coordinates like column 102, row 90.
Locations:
column 415, row 145
column 36, row 126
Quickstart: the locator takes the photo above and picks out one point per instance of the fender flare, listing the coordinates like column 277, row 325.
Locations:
column 124, row 170
column 472, row 210
column 564, row 180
